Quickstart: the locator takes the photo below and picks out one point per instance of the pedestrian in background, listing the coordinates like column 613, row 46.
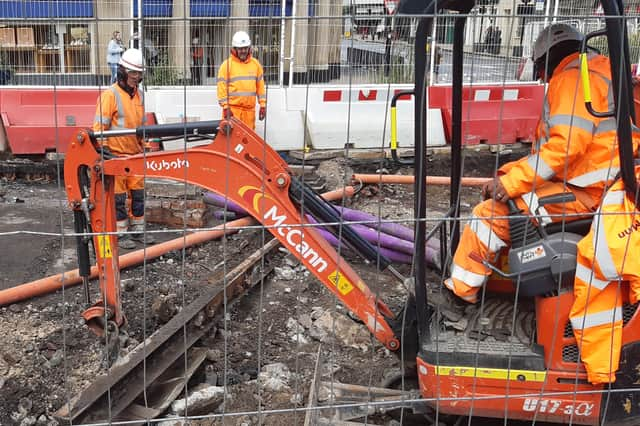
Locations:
column 197, row 56
column 114, row 52
column 119, row 107
column 241, row 83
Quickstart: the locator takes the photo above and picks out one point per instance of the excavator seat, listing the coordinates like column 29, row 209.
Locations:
column 580, row 227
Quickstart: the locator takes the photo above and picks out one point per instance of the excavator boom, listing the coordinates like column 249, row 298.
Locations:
column 239, row 165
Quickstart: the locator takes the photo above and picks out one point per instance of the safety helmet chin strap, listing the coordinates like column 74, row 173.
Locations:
column 123, row 80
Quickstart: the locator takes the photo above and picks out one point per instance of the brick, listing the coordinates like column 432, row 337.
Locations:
column 177, row 213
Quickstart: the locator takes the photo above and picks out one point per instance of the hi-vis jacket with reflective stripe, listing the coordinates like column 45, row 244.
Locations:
column 571, row 144
column 117, row 110
column 606, row 256
column 239, row 83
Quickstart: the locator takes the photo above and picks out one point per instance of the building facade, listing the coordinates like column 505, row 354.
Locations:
column 40, row 39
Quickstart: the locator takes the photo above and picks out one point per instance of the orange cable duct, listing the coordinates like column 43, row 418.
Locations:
column 71, row 278
column 405, row 179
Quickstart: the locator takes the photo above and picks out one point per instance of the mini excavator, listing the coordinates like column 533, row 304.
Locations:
column 510, row 358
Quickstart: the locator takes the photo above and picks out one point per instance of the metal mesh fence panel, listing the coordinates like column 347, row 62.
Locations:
column 224, row 325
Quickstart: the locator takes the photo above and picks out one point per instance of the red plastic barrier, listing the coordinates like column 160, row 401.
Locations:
column 492, row 114
column 41, row 120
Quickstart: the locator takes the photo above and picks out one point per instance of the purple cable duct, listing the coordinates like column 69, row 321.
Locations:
column 393, row 256
column 219, row 201
column 389, row 243
column 396, row 244
column 392, row 237
column 391, row 228
column 226, row 215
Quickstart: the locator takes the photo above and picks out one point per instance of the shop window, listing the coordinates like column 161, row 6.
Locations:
column 46, row 48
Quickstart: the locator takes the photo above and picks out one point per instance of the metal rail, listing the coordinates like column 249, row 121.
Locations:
column 111, row 395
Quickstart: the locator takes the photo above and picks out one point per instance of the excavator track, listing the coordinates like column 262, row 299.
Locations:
column 487, row 329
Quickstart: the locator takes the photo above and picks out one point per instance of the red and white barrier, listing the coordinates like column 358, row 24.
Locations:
column 492, row 114
column 41, row 119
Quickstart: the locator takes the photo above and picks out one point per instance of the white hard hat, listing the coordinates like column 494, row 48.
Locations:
column 240, row 39
column 553, row 35
column 131, row 59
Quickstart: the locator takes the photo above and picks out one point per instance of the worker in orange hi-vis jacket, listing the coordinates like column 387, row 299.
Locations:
column 241, row 83
column 121, row 106
column 573, row 151
column 607, row 256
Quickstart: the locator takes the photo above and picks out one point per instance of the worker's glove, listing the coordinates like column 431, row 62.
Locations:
column 262, row 114
column 226, row 113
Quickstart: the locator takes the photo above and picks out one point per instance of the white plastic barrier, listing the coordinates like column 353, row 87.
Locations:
column 335, row 115
column 285, row 129
column 284, row 125
column 360, row 116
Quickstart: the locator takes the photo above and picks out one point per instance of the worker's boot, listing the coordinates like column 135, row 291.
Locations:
column 137, row 226
column 124, row 239
column 446, row 302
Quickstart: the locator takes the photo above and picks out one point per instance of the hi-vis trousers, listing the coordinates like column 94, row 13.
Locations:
column 246, row 115
column 608, row 255
column 488, row 231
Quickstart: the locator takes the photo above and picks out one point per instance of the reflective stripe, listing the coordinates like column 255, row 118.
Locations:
column 448, row 283
column 600, row 244
column 572, row 121
column 238, row 78
column 470, row 299
column 262, row 97
column 241, row 94
column 596, row 176
column 607, row 125
column 609, row 316
column 531, row 200
column 539, row 167
column 586, row 275
column 469, row 278
column 223, row 100
column 120, row 121
column 601, row 249
column 485, row 234
column 610, row 101
column 613, row 198
column 105, row 121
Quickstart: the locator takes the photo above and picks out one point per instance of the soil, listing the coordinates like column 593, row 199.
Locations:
column 47, row 354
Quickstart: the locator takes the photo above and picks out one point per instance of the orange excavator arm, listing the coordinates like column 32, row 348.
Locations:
column 237, row 164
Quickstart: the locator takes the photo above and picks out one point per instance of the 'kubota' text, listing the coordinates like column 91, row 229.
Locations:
column 167, row 165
